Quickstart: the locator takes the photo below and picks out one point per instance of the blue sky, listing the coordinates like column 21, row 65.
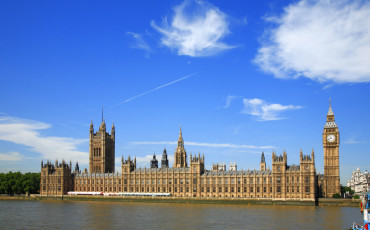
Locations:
column 241, row 77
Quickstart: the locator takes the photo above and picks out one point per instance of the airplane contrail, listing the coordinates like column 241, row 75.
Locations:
column 152, row 90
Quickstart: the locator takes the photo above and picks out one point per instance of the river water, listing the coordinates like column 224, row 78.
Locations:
column 122, row 215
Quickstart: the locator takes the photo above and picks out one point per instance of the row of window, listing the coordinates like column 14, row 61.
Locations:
column 179, row 181
column 194, row 189
column 291, row 179
column 52, row 181
column 96, row 168
column 97, row 152
column 159, row 181
column 44, row 173
column 50, row 188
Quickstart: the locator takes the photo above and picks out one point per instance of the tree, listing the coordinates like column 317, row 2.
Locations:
column 18, row 183
column 348, row 189
column 31, row 182
column 336, row 195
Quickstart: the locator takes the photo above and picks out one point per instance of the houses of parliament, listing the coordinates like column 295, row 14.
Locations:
column 191, row 178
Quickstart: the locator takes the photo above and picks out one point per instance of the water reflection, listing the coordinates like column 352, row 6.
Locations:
column 121, row 215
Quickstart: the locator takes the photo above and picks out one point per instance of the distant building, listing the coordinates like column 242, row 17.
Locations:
column 154, row 162
column 282, row 182
column 219, row 167
column 233, row 167
column 359, row 182
column 263, row 162
column 164, row 163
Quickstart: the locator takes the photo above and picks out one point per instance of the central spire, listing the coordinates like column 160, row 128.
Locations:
column 263, row 158
column 180, row 134
column 102, row 114
column 330, row 120
column 102, row 126
column 180, row 154
column 180, row 142
column 330, row 112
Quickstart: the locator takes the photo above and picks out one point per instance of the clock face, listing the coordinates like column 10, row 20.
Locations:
column 331, row 138
column 195, row 168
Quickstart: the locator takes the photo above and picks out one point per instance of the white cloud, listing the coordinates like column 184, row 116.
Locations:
column 228, row 100
column 196, row 29
column 140, row 43
column 321, row 40
column 202, row 144
column 12, row 156
column 227, row 145
column 353, row 141
column 142, row 162
column 27, row 133
column 153, row 142
column 264, row 111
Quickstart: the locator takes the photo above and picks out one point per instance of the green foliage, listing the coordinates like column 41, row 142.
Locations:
column 336, row 195
column 348, row 189
column 18, row 183
column 356, row 197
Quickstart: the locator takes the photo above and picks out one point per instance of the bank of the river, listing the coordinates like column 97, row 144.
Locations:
column 17, row 197
column 339, row 202
column 187, row 200
column 321, row 202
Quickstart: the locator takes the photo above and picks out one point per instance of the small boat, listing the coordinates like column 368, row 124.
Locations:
column 365, row 210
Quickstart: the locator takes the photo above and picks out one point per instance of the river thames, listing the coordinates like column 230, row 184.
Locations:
column 122, row 215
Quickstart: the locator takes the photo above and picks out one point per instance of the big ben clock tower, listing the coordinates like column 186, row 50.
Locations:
column 330, row 139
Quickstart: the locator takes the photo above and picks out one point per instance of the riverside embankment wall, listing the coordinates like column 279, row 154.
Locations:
column 191, row 200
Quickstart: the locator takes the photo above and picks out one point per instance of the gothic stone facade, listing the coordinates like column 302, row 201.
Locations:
column 102, row 150
column 283, row 181
column 56, row 179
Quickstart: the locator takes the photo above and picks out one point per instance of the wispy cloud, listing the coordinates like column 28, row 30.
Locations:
column 12, row 156
column 236, row 129
column 139, row 42
column 353, row 141
column 196, row 29
column 228, row 100
column 202, row 144
column 145, row 160
column 154, row 142
column 265, row 111
column 27, row 133
column 331, row 42
column 252, row 152
column 155, row 89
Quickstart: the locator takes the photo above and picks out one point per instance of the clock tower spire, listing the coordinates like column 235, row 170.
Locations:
column 180, row 153
column 330, row 140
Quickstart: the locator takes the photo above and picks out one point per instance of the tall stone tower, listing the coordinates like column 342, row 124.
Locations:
column 263, row 162
column 279, row 168
column 154, row 163
column 102, row 149
column 330, row 140
column 164, row 159
column 180, row 153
